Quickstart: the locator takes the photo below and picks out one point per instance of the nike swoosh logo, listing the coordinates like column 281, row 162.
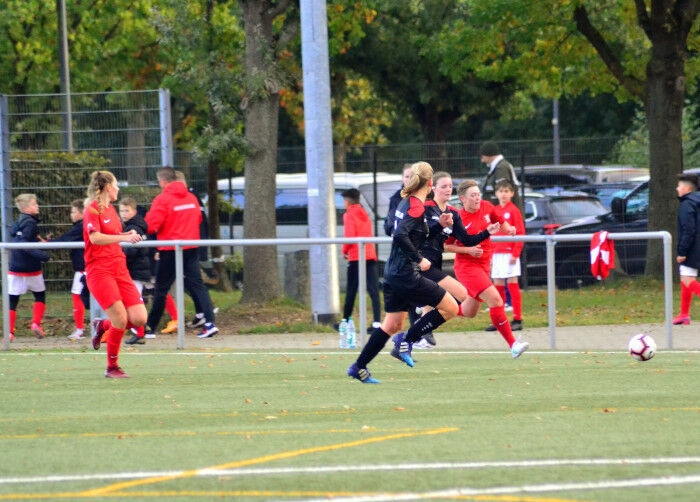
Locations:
column 467, row 227
column 107, row 221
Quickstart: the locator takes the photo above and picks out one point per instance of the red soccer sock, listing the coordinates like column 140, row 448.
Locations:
column 501, row 291
column 78, row 311
column 38, row 312
column 170, row 307
column 686, row 300
column 106, row 326
column 114, row 341
column 516, row 297
column 499, row 319
column 460, row 312
column 695, row 287
column 13, row 320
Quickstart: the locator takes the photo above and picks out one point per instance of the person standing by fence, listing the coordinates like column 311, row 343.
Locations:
column 688, row 248
column 80, row 296
column 175, row 215
column 108, row 278
column 25, row 264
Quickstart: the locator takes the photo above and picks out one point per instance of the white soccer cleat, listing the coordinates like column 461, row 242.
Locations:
column 518, row 348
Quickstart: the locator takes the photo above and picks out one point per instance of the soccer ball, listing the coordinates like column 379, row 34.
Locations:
column 642, row 347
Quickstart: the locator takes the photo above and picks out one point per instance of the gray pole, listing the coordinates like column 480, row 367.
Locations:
column 323, row 260
column 555, row 127
column 64, row 75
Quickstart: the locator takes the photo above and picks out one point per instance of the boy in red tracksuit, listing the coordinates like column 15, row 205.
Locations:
column 505, row 262
column 357, row 223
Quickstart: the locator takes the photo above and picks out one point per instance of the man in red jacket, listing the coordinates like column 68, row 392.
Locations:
column 175, row 216
column 357, row 223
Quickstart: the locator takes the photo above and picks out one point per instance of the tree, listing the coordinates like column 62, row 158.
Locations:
column 204, row 41
column 267, row 32
column 407, row 56
column 637, row 50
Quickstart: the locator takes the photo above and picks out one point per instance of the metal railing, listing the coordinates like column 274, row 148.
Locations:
column 550, row 242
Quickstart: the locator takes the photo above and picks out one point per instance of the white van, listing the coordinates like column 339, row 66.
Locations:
column 291, row 203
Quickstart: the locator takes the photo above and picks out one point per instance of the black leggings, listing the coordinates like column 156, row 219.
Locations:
column 39, row 296
column 353, row 282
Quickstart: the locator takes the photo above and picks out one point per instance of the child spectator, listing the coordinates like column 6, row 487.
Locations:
column 505, row 262
column 137, row 261
column 80, row 295
column 25, row 264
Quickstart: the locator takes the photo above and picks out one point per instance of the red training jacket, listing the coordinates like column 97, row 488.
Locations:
column 174, row 215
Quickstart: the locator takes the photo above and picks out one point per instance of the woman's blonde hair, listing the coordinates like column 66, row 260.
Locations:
column 99, row 180
column 421, row 174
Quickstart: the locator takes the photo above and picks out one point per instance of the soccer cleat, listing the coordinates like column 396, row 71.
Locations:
column 402, row 349
column 98, row 327
column 422, row 344
column 12, row 336
column 518, row 348
column 76, row 335
column 430, row 338
column 135, row 340
column 170, row 328
column 681, row 319
column 490, row 327
column 508, row 308
column 37, row 330
column 115, row 372
column 208, row 331
column 516, row 325
column 198, row 321
column 361, row 374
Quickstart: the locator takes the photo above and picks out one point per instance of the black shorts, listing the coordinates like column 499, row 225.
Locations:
column 402, row 296
column 434, row 274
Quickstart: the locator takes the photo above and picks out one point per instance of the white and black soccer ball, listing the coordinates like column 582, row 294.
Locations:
column 642, row 347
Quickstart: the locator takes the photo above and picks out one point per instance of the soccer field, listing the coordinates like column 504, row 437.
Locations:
column 259, row 425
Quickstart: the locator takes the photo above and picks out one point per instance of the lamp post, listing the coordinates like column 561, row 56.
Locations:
column 64, row 75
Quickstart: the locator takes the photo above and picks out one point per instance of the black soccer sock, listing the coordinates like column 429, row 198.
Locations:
column 424, row 325
column 374, row 346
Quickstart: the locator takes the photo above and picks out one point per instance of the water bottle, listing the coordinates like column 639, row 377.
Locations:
column 343, row 331
column 351, row 334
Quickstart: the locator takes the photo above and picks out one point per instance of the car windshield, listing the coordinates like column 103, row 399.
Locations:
column 567, row 210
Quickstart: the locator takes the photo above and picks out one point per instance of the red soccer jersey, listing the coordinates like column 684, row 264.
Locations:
column 475, row 223
column 107, row 257
column 514, row 217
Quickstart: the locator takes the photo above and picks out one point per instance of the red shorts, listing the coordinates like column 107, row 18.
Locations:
column 111, row 286
column 475, row 278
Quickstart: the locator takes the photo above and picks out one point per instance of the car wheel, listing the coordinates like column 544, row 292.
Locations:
column 574, row 272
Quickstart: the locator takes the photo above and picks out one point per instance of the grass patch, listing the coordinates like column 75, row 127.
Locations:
column 292, row 426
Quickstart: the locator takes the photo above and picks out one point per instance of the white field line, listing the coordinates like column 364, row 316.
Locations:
column 206, row 472
column 509, row 490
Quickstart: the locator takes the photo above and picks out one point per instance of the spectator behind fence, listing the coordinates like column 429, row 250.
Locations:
column 505, row 262
column 137, row 258
column 357, row 223
column 80, row 296
column 688, row 248
column 175, row 215
column 499, row 169
column 25, row 264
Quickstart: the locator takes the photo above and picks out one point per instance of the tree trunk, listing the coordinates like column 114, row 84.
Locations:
column 261, row 278
column 664, row 110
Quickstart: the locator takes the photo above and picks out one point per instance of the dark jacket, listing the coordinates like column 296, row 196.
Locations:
column 26, row 229
column 502, row 171
column 77, row 256
column 411, row 230
column 435, row 243
column 390, row 215
column 689, row 229
column 137, row 258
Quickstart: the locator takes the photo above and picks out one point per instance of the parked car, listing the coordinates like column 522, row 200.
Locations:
column 545, row 214
column 291, row 207
column 606, row 192
column 627, row 214
column 573, row 176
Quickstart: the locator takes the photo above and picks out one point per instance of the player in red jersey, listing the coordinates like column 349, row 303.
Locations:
column 473, row 263
column 107, row 276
